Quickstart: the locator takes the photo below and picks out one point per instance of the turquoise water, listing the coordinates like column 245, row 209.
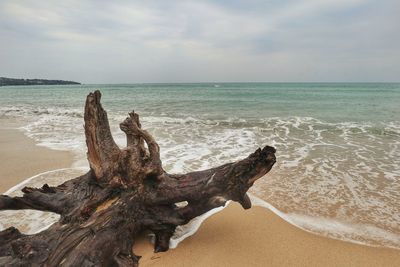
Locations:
column 331, row 101
column 338, row 168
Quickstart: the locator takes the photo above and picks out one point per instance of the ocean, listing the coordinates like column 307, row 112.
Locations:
column 338, row 144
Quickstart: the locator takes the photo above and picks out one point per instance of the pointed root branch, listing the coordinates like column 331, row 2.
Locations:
column 102, row 149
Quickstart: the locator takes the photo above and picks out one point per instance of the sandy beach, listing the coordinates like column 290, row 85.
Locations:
column 258, row 237
column 20, row 158
column 233, row 237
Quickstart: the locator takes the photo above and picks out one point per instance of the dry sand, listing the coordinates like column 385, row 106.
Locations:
column 233, row 237
column 258, row 237
column 20, row 158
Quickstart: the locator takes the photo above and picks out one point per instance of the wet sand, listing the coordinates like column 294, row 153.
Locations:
column 233, row 237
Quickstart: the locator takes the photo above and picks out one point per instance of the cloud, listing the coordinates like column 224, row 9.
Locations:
column 167, row 41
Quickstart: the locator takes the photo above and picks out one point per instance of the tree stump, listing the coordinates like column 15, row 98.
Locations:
column 125, row 192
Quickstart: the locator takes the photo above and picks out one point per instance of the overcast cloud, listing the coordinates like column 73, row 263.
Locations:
column 195, row 41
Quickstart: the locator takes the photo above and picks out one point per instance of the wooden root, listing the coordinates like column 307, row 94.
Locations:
column 125, row 192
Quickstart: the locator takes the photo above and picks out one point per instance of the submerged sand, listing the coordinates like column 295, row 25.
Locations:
column 233, row 237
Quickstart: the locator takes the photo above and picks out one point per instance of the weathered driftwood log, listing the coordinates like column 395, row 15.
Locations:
column 126, row 191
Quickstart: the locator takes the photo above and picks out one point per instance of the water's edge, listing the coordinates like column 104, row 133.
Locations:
column 303, row 222
column 338, row 145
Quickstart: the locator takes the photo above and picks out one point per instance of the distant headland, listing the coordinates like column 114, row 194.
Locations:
column 11, row 81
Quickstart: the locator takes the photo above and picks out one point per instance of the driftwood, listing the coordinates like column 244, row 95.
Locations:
column 125, row 192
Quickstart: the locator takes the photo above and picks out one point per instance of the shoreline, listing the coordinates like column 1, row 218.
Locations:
column 232, row 237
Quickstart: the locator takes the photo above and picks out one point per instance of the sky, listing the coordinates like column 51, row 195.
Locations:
column 201, row 41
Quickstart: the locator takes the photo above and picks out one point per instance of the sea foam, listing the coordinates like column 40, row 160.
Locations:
column 345, row 172
column 31, row 221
